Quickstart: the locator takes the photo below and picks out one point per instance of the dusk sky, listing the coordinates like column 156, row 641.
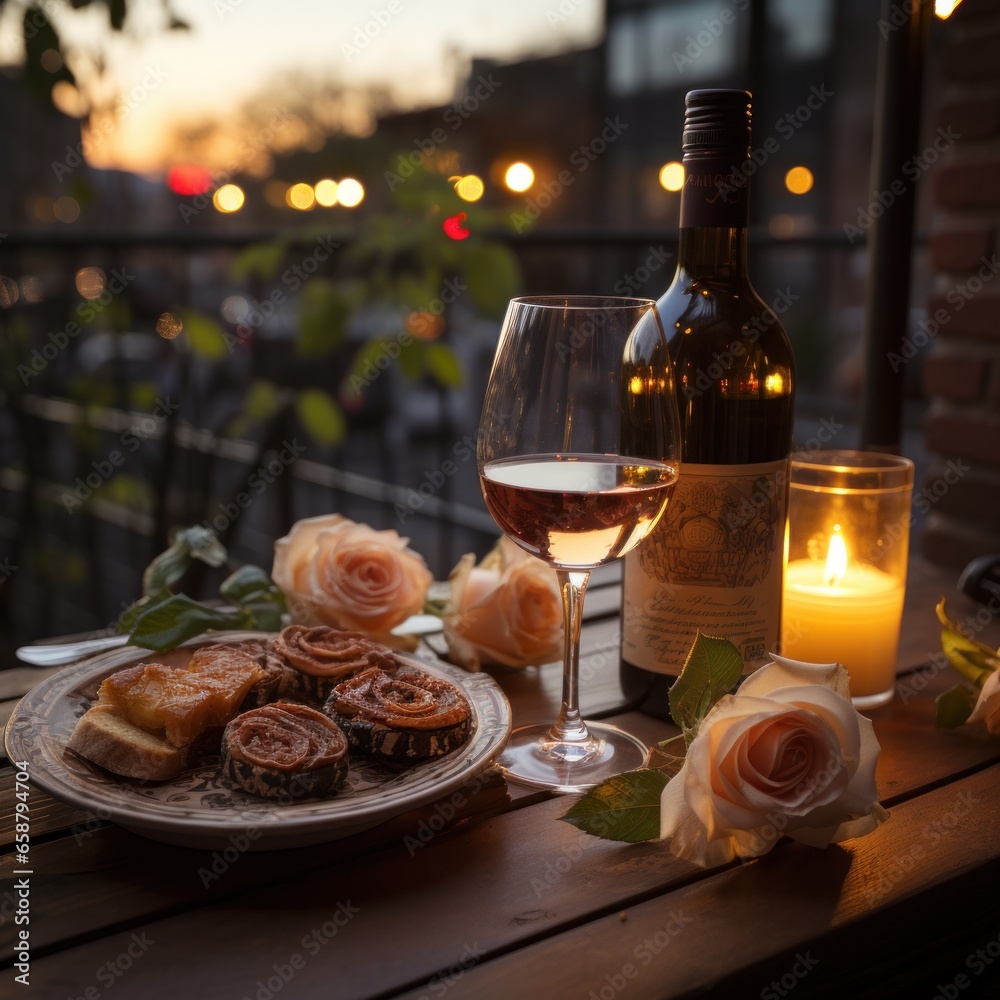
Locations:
column 236, row 46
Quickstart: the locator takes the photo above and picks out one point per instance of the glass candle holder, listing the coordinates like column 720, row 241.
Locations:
column 847, row 540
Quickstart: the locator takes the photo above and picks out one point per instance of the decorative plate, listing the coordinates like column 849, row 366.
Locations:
column 197, row 809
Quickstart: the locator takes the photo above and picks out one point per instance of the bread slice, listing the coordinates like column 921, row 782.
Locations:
column 104, row 737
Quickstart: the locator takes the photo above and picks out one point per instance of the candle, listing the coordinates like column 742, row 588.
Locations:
column 847, row 612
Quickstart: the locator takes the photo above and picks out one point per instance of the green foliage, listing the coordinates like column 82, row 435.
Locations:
column 321, row 416
column 954, row 706
column 712, row 669
column 973, row 660
column 493, row 276
column 205, row 335
column 444, row 366
column 625, row 807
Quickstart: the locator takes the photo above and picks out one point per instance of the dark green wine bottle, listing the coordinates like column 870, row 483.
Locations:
column 714, row 563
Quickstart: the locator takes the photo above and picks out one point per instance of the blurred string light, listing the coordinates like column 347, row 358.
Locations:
column 187, row 179
column 229, row 198
column 519, row 177
column 469, row 188
column 235, row 308
column 454, row 229
column 945, row 8
column 350, row 193
column 90, row 282
column 326, row 192
column 672, row 176
column 8, row 291
column 301, row 197
column 168, row 326
column 799, row 180
column 66, row 209
column 31, row 289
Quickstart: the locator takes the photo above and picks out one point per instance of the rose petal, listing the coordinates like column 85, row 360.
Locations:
column 988, row 704
column 782, row 672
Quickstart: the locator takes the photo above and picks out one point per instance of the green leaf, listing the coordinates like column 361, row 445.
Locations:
column 128, row 618
column 321, row 416
column 712, row 669
column 246, row 583
column 323, row 313
column 169, row 566
column 178, row 619
column 973, row 660
column 954, row 706
column 492, row 274
column 625, row 807
column 204, row 335
column 444, row 366
column 261, row 259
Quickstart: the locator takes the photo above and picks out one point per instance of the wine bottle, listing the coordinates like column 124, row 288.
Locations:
column 714, row 562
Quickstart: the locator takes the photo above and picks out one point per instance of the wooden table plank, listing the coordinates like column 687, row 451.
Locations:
column 744, row 928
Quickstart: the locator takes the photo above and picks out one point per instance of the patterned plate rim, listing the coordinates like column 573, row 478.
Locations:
column 28, row 737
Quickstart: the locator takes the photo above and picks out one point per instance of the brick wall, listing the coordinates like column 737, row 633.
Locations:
column 962, row 366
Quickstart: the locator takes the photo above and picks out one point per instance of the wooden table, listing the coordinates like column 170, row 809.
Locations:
column 487, row 895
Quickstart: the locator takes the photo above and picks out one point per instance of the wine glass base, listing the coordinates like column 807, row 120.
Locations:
column 533, row 758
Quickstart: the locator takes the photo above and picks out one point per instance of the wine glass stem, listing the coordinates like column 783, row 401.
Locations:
column 570, row 727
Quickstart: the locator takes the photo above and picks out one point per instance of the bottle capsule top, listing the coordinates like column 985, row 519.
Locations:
column 717, row 122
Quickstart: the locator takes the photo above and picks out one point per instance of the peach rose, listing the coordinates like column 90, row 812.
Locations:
column 347, row 575
column 786, row 756
column 507, row 611
column 988, row 704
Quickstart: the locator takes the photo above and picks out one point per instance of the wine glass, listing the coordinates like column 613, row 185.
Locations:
column 578, row 453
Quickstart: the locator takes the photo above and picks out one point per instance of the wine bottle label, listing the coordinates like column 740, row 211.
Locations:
column 715, row 193
column 713, row 563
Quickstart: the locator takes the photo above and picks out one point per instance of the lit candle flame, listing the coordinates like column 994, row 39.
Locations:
column 836, row 559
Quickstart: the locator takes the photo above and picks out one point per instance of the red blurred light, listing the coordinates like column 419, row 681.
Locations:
column 453, row 228
column 187, row 179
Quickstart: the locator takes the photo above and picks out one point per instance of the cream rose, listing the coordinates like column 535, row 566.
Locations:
column 349, row 576
column 787, row 755
column 506, row 611
column 988, row 704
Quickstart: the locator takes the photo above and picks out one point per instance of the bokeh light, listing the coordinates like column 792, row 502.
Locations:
column 66, row 209
column 519, row 177
column 350, row 193
column 326, row 192
column 235, row 308
column 168, row 326
column 672, row 176
column 799, row 180
column 300, row 197
column 945, row 8
column 8, row 291
column 229, row 198
column 31, row 289
column 454, row 229
column 188, row 179
column 90, row 282
column 425, row 325
column 470, row 187
column 51, row 61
